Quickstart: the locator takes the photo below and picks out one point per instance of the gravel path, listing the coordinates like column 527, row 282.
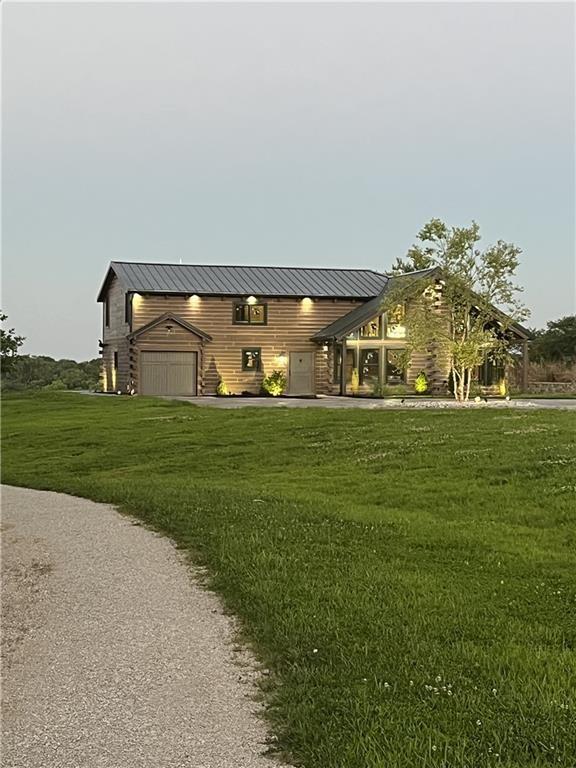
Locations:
column 112, row 656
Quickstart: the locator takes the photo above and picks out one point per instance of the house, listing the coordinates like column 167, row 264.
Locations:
column 179, row 329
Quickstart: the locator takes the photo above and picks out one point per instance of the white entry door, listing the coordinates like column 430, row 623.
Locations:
column 301, row 373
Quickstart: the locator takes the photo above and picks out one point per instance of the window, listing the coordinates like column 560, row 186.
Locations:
column 395, row 323
column 106, row 313
column 395, row 373
column 251, row 359
column 128, row 308
column 115, row 361
column 490, row 373
column 250, row 314
column 350, row 364
column 369, row 366
column 372, row 330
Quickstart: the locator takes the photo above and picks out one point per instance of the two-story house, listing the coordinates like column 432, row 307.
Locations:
column 179, row 329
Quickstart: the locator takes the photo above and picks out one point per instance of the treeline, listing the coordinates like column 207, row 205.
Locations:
column 41, row 372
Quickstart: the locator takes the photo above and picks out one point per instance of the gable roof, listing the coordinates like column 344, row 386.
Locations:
column 365, row 312
column 168, row 316
column 220, row 280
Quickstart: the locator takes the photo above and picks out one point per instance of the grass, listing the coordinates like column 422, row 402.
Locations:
column 407, row 578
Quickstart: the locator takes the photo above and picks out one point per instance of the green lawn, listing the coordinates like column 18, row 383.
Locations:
column 408, row 578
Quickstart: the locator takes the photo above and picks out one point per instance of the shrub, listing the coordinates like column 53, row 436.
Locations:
column 275, row 384
column 222, row 390
column 355, row 382
column 421, row 383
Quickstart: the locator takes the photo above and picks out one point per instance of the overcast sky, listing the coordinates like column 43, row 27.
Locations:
column 307, row 135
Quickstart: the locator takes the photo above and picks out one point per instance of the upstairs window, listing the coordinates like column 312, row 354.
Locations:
column 396, row 323
column 250, row 314
column 106, row 313
column 372, row 330
column 128, row 308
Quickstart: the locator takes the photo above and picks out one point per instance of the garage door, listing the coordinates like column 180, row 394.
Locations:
column 168, row 373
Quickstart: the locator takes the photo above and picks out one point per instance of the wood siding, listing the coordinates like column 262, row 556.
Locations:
column 291, row 324
column 114, row 337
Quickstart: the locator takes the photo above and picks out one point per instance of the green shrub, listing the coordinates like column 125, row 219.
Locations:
column 355, row 382
column 222, row 390
column 421, row 383
column 275, row 384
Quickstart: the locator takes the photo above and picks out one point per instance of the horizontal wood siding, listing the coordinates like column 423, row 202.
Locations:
column 291, row 324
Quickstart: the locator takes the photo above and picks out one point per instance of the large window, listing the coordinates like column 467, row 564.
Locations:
column 350, row 364
column 250, row 314
column 251, row 359
column 372, row 330
column 395, row 373
column 396, row 323
column 369, row 366
column 490, row 373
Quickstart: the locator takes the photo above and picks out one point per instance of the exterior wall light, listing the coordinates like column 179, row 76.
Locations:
column 306, row 304
column 282, row 359
column 251, row 300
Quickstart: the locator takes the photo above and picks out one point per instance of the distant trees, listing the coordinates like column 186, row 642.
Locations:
column 10, row 343
column 42, row 372
column 556, row 343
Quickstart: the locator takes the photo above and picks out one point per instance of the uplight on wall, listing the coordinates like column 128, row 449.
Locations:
column 136, row 300
column 282, row 359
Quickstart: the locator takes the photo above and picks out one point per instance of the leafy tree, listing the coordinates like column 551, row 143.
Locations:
column 37, row 372
column 465, row 305
column 557, row 342
column 10, row 343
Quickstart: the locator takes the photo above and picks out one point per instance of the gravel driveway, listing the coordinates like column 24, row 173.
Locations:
column 112, row 656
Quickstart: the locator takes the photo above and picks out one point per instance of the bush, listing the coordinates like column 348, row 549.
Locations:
column 355, row 382
column 275, row 384
column 222, row 390
column 390, row 390
column 421, row 383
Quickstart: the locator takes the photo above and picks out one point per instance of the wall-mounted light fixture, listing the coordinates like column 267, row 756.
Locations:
column 169, row 330
column 251, row 300
column 306, row 304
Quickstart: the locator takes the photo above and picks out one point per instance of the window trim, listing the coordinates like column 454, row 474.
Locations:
column 361, row 352
column 128, row 309
column 361, row 337
column 387, row 324
column 236, row 304
column 387, row 350
column 257, row 368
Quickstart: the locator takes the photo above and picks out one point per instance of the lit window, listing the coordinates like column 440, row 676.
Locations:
column 250, row 314
column 369, row 366
column 395, row 323
column 251, row 359
column 371, row 330
column 395, row 373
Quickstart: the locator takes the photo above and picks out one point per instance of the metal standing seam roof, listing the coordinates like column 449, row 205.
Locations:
column 222, row 280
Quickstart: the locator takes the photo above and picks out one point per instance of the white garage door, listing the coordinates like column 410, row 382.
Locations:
column 168, row 373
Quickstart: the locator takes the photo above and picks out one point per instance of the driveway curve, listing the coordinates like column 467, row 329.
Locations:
column 112, row 655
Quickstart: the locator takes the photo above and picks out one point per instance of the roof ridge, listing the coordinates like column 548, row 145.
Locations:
column 253, row 266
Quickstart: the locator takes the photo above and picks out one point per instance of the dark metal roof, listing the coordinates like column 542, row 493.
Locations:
column 221, row 280
column 365, row 312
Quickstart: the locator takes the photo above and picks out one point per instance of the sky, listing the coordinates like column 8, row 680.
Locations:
column 276, row 134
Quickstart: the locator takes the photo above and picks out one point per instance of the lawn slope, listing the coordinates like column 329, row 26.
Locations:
column 408, row 578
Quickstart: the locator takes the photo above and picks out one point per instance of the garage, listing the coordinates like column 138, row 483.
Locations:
column 168, row 373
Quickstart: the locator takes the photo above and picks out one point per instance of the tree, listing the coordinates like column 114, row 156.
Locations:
column 10, row 343
column 464, row 305
column 556, row 343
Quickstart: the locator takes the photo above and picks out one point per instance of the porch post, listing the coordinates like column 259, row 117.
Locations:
column 525, row 361
column 343, row 368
